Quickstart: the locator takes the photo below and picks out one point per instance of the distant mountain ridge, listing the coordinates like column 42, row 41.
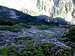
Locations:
column 52, row 8
column 12, row 14
column 9, row 15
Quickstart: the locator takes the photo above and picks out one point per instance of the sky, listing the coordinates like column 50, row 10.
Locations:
column 19, row 4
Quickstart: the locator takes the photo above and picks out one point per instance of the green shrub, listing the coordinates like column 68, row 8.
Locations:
column 61, row 50
column 15, row 27
column 9, row 28
column 4, row 52
column 64, row 51
column 51, row 36
column 71, row 34
column 22, row 25
column 63, row 39
column 43, row 26
column 27, row 41
column 46, row 49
